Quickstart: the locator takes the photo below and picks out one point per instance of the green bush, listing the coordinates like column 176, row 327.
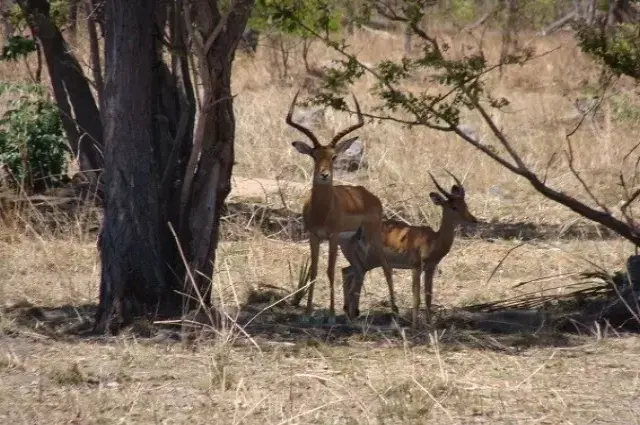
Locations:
column 464, row 11
column 59, row 11
column 17, row 47
column 33, row 146
column 617, row 46
column 295, row 16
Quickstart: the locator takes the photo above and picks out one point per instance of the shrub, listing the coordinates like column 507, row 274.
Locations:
column 33, row 146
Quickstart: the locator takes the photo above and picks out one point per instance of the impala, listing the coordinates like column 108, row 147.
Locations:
column 331, row 210
column 419, row 248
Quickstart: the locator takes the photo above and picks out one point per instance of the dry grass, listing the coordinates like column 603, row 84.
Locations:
column 456, row 376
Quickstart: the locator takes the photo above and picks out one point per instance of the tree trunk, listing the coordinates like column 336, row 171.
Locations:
column 73, row 6
column 94, row 49
column 80, row 115
column 510, row 31
column 134, row 272
column 153, row 174
column 204, row 193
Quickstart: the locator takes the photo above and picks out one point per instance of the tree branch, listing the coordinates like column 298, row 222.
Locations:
column 221, row 24
column 559, row 23
column 570, row 162
column 470, row 97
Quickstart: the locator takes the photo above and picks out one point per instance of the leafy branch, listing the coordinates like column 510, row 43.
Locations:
column 453, row 85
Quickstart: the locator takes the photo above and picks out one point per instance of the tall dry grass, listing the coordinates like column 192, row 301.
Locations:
column 449, row 376
column 541, row 95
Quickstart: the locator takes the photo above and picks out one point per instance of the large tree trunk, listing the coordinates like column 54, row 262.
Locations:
column 134, row 271
column 153, row 173
column 204, row 192
column 80, row 115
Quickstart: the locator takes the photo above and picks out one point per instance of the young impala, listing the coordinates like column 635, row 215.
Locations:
column 419, row 248
column 331, row 210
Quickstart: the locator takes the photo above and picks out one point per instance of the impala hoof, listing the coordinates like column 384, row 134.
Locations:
column 305, row 319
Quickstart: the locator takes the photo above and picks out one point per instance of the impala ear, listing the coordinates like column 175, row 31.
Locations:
column 437, row 199
column 345, row 144
column 303, row 148
column 457, row 191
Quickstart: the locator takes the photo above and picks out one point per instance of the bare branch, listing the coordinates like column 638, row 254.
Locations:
column 635, row 172
column 628, row 203
column 500, row 136
column 605, row 218
column 624, row 209
column 481, row 21
column 570, row 162
column 559, row 23
column 630, row 151
column 406, row 122
column 602, row 216
column 546, row 169
column 486, row 150
column 188, row 23
column 216, row 32
column 96, row 68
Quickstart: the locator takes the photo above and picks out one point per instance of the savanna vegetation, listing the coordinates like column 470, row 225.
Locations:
column 151, row 239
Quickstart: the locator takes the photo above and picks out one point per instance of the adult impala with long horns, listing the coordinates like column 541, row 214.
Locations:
column 332, row 210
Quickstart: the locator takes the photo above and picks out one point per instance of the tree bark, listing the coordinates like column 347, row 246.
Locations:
column 94, row 49
column 134, row 272
column 154, row 174
column 80, row 115
column 208, row 175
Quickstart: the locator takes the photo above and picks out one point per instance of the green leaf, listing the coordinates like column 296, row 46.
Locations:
column 17, row 47
column 32, row 140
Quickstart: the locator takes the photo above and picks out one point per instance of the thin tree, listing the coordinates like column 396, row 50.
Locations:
column 71, row 89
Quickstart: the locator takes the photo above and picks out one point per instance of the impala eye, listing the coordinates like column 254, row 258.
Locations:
column 333, row 158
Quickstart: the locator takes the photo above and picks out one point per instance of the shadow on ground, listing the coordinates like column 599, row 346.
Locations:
column 493, row 326
column 285, row 224
column 49, row 214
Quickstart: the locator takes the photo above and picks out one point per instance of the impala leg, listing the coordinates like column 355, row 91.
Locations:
column 415, row 291
column 389, row 277
column 374, row 235
column 358, row 282
column 352, row 283
column 331, row 273
column 314, row 243
column 429, row 271
column 347, row 289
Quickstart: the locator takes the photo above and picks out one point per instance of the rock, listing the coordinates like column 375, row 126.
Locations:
column 311, row 117
column 249, row 41
column 352, row 159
